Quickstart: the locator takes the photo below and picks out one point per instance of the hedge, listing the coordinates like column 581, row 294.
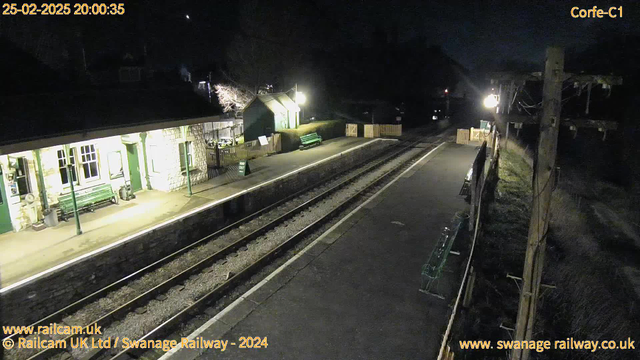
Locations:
column 327, row 129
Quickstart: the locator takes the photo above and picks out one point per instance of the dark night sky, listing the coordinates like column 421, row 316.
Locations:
column 475, row 32
column 472, row 32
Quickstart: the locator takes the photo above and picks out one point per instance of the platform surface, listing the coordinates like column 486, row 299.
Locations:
column 353, row 293
column 28, row 252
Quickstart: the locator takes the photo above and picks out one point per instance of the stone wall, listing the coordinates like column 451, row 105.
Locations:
column 33, row 300
column 164, row 158
column 21, row 214
column 163, row 148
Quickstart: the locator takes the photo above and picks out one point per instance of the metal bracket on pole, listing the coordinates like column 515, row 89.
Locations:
column 510, row 330
column 518, row 279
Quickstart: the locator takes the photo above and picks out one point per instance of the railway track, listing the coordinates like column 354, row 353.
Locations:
column 235, row 260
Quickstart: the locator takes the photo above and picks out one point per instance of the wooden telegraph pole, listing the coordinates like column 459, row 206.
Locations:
column 543, row 184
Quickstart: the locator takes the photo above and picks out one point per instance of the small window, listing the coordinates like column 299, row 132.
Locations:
column 115, row 165
column 22, row 176
column 62, row 165
column 89, row 162
column 190, row 155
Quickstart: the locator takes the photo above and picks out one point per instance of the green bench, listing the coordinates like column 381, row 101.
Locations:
column 86, row 199
column 434, row 267
column 310, row 140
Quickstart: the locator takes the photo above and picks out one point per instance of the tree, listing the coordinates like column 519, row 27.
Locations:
column 232, row 98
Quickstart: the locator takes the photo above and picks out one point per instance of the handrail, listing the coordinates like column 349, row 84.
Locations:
column 447, row 333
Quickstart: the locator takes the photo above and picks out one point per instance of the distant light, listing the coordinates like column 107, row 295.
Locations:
column 491, row 101
column 188, row 17
column 300, row 98
column 434, row 117
column 446, row 91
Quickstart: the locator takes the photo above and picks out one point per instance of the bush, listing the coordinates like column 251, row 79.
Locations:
column 328, row 129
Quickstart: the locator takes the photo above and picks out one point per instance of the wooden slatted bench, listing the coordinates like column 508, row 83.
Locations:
column 86, row 199
column 310, row 140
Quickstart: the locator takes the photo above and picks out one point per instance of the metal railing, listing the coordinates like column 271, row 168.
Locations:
column 483, row 170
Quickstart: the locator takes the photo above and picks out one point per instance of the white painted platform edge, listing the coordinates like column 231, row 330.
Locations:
column 244, row 296
column 177, row 218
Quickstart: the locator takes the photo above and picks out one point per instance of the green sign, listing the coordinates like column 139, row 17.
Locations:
column 243, row 168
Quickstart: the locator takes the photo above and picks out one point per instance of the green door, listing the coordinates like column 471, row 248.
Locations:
column 5, row 217
column 134, row 167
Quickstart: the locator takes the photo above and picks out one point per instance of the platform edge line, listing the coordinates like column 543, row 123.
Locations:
column 175, row 219
column 256, row 287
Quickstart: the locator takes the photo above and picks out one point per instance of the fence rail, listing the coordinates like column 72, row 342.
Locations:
column 375, row 130
column 484, row 173
column 232, row 155
column 390, row 130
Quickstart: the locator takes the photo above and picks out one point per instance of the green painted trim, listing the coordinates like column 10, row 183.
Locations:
column 43, row 190
column 73, row 192
column 5, row 214
column 143, row 138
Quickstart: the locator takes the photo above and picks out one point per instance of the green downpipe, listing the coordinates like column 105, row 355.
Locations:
column 43, row 191
column 143, row 137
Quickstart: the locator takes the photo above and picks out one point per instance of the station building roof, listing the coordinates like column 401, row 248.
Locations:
column 277, row 103
column 42, row 120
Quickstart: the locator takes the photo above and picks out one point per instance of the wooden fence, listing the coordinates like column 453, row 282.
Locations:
column 390, row 130
column 232, row 155
column 462, row 136
column 351, row 130
column 479, row 135
column 483, row 181
column 371, row 130
column 377, row 130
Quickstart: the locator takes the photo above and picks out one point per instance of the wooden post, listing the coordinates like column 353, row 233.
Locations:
column 472, row 187
column 217, row 156
column 469, row 288
column 542, row 188
column 476, row 183
column 506, row 140
column 586, row 110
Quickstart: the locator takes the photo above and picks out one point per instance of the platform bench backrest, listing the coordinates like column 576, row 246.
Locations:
column 86, row 197
column 310, row 139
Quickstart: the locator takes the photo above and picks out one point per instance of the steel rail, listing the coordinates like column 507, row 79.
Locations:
column 138, row 301
column 250, row 270
column 78, row 304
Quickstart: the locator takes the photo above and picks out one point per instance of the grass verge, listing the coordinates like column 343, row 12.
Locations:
column 594, row 299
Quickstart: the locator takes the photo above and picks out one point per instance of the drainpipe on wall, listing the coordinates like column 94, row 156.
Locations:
column 43, row 191
column 143, row 138
column 186, row 161
column 185, row 131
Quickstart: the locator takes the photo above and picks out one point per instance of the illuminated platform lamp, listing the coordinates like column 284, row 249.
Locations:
column 491, row 101
column 300, row 98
